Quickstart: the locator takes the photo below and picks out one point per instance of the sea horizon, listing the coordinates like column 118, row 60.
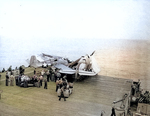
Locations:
column 15, row 53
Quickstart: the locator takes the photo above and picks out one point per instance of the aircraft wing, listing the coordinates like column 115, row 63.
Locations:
column 65, row 69
column 86, row 73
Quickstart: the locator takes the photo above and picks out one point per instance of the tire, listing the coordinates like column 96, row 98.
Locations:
column 20, row 83
column 25, row 84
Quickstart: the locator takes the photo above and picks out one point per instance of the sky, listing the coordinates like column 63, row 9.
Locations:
column 67, row 26
column 84, row 19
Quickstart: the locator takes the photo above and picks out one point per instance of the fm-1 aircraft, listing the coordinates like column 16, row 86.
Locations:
column 84, row 66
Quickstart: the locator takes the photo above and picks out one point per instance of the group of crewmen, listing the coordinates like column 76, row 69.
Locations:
column 63, row 87
column 10, row 78
column 37, row 78
column 40, row 76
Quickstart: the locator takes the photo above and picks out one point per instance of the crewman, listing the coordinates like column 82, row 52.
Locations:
column 42, row 73
column 11, row 80
column 48, row 75
column 11, row 73
column 113, row 112
column 138, row 85
column 57, row 84
column 60, row 83
column 38, row 82
column 57, row 75
column 41, row 79
column 34, row 71
column 45, row 83
column 19, row 80
column 7, row 78
column 11, row 76
column 70, row 87
column 62, row 93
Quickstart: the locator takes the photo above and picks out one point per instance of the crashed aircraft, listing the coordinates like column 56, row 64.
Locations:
column 84, row 66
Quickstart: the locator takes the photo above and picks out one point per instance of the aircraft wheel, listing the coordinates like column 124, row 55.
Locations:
column 20, row 84
column 25, row 84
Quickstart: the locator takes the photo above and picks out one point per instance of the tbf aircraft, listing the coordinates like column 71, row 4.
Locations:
column 84, row 66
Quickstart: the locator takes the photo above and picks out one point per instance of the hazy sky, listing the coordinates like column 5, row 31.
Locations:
column 29, row 27
column 118, row 19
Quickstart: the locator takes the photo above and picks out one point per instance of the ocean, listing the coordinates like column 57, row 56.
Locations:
column 15, row 52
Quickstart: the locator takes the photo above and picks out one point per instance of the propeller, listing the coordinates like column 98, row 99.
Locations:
column 92, row 53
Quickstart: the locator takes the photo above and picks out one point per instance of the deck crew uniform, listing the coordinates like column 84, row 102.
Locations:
column 58, row 76
column 18, row 80
column 60, row 83
column 62, row 94
column 11, row 80
column 48, row 75
column 41, row 79
column 34, row 71
column 42, row 73
column 113, row 112
column 57, row 85
column 45, row 83
column 7, row 78
column 39, row 84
